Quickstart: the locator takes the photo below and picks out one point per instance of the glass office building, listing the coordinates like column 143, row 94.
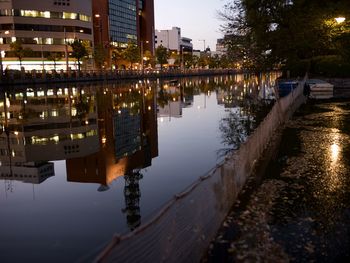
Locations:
column 122, row 21
column 117, row 22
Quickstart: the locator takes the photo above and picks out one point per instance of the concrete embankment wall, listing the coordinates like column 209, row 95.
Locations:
column 184, row 227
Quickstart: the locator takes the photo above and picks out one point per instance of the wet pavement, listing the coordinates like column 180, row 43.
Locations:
column 299, row 209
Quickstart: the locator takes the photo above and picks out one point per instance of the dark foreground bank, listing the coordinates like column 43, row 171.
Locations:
column 299, row 210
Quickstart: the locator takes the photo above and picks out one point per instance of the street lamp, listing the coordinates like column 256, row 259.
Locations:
column 99, row 26
column 340, row 19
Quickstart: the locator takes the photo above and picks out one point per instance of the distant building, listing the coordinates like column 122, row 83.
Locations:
column 221, row 48
column 172, row 40
column 44, row 27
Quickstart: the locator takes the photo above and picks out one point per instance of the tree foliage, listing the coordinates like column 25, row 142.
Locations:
column 100, row 55
column 261, row 34
column 117, row 55
column 54, row 56
column 131, row 53
column 79, row 51
column 161, row 55
column 19, row 51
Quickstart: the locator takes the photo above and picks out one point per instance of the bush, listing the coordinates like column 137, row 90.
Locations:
column 330, row 66
column 296, row 68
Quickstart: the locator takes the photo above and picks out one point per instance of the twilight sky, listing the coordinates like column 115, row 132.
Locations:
column 197, row 19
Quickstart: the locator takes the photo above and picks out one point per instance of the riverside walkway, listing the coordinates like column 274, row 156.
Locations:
column 299, row 210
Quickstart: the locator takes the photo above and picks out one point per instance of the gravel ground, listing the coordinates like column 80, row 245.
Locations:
column 299, row 211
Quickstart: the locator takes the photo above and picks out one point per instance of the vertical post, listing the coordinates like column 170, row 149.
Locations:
column 182, row 58
column 141, row 44
column 42, row 54
column 1, row 66
column 203, row 44
column 65, row 49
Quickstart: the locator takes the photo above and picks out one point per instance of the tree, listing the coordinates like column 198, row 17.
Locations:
column 54, row 56
column 100, row 55
column 149, row 58
column 188, row 60
column 264, row 33
column 79, row 51
column 132, row 53
column 161, row 55
column 20, row 52
column 117, row 55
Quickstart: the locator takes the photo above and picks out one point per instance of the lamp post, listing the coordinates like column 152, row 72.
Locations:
column 141, row 49
column 99, row 26
column 203, row 43
column 65, row 48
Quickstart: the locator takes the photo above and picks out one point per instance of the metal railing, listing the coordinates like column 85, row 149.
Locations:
column 42, row 76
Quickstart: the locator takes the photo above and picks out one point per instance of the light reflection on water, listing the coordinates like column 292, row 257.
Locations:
column 80, row 162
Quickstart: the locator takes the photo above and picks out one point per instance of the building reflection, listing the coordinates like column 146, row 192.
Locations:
column 102, row 132
column 128, row 139
column 42, row 125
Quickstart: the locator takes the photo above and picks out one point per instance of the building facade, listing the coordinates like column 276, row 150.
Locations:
column 221, row 48
column 44, row 27
column 118, row 22
column 172, row 40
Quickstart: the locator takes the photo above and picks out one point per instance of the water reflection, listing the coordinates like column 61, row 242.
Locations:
column 102, row 135
column 247, row 102
column 110, row 136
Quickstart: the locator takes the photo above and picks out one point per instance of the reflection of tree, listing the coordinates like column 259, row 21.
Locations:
column 82, row 106
column 240, row 123
column 131, row 100
column 132, row 196
column 235, row 129
column 163, row 97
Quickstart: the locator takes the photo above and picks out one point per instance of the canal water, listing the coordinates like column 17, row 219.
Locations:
column 81, row 162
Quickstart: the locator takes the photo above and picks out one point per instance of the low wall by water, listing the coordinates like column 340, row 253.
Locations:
column 184, row 227
column 12, row 77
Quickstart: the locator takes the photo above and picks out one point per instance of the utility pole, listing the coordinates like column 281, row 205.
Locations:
column 203, row 43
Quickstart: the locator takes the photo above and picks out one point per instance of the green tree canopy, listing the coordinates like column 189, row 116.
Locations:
column 261, row 34
column 132, row 53
column 79, row 51
column 161, row 55
column 117, row 55
column 100, row 55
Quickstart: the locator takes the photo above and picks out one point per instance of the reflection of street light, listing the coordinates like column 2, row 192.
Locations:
column 1, row 66
column 340, row 19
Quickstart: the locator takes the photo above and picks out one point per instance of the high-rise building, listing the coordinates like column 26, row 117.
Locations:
column 45, row 27
column 117, row 22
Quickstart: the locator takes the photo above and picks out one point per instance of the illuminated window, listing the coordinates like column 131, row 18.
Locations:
column 54, row 113
column 70, row 15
